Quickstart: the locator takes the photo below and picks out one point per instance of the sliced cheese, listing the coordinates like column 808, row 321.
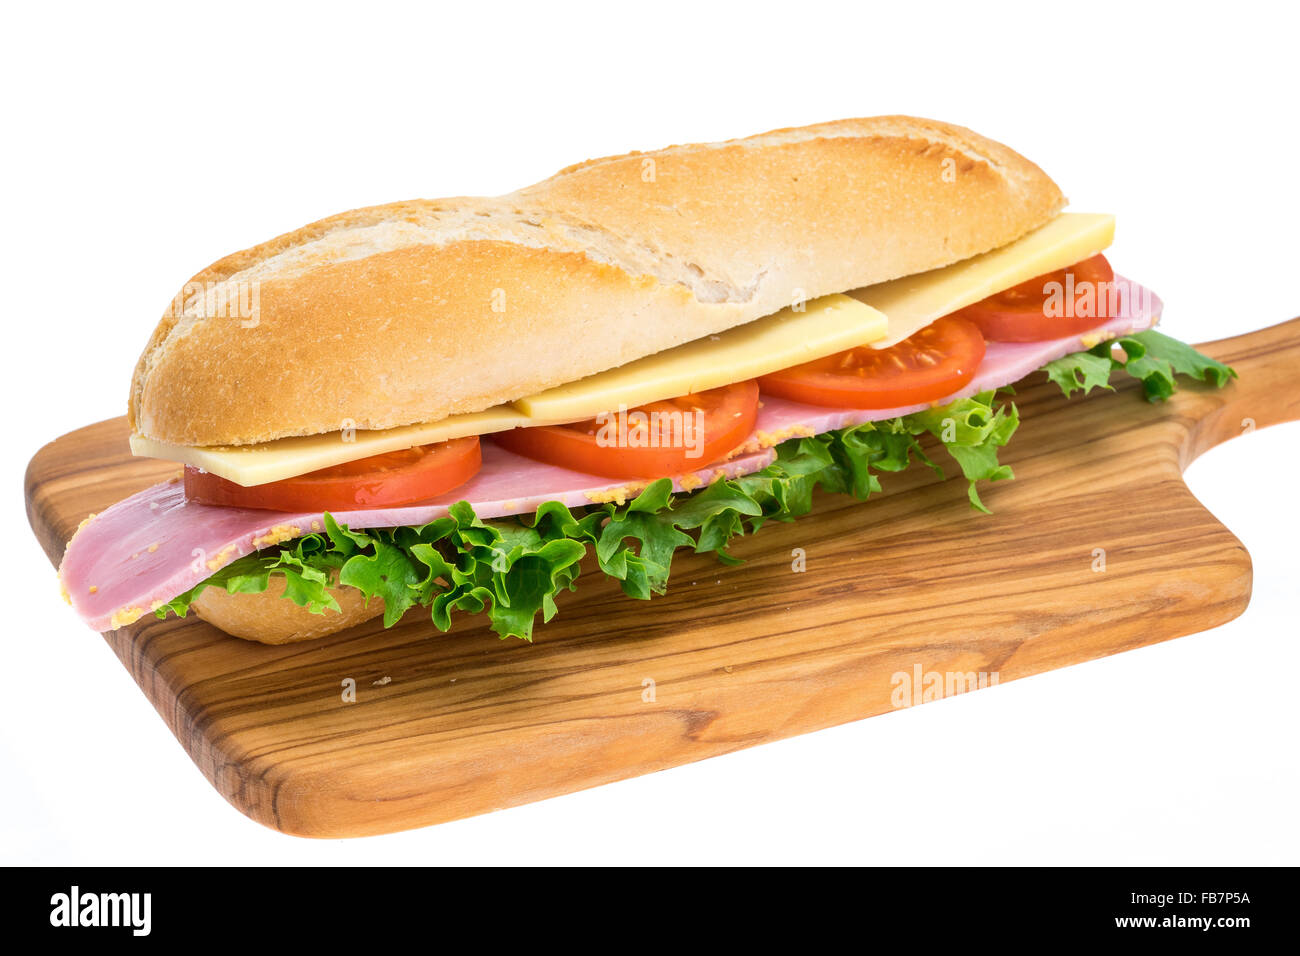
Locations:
column 913, row 302
column 823, row 327
column 288, row 457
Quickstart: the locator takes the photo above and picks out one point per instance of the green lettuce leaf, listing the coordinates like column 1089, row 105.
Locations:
column 1151, row 357
column 1082, row 370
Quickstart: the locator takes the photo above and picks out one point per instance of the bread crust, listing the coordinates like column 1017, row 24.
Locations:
column 268, row 618
column 413, row 311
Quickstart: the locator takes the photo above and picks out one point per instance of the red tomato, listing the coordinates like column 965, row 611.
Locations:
column 657, row 440
column 380, row 481
column 1050, row 306
column 932, row 364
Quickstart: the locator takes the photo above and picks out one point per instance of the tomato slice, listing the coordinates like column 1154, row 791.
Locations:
column 657, row 440
column 380, row 481
column 929, row 365
column 1051, row 306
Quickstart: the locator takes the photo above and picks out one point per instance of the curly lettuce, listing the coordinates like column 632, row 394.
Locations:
column 513, row 569
column 1151, row 357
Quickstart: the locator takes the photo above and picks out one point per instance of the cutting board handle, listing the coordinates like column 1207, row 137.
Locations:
column 1266, row 391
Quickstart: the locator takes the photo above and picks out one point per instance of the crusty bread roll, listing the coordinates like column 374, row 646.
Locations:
column 414, row 311
column 270, row 619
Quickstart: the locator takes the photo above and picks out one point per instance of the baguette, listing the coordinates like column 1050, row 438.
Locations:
column 267, row 618
column 414, row 311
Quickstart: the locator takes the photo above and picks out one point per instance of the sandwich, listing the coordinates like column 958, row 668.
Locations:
column 453, row 407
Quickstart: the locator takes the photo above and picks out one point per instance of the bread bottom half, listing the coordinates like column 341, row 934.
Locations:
column 269, row 618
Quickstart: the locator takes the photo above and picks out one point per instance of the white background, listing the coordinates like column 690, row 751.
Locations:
column 143, row 143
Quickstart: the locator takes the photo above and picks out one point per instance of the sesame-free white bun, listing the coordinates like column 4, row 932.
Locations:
column 414, row 311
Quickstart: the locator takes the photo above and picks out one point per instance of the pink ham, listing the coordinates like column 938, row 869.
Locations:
column 144, row 551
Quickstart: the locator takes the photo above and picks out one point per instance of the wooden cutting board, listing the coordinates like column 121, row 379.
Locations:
column 894, row 591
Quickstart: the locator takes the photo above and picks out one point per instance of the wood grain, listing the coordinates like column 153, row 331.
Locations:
column 738, row 656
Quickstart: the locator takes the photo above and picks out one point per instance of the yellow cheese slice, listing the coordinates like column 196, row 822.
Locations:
column 288, row 457
column 825, row 326
column 913, row 302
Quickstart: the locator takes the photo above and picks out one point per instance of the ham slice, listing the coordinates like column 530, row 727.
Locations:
column 144, row 551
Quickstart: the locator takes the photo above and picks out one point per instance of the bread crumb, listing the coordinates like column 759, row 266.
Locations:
column 280, row 533
column 124, row 616
column 94, row 589
column 381, row 682
column 1095, row 338
column 764, row 440
column 219, row 561
column 618, row 496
